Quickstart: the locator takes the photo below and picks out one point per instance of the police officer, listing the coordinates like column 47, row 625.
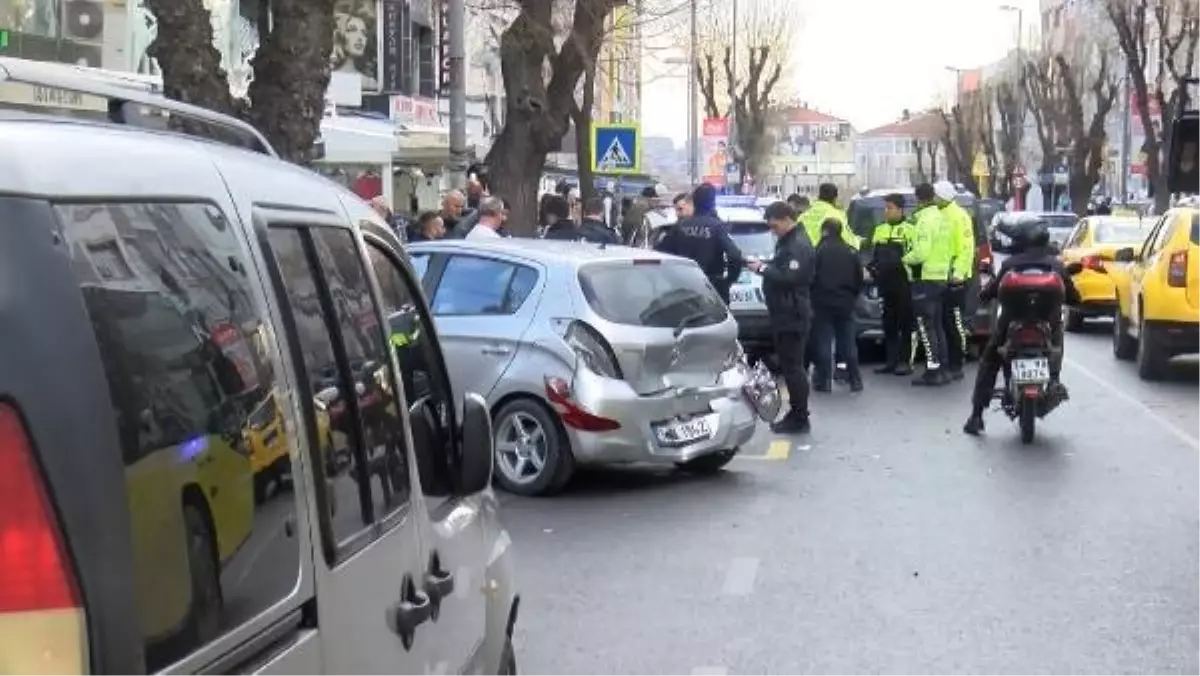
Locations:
column 891, row 240
column 703, row 238
column 786, row 281
column 823, row 209
column 929, row 259
column 962, row 268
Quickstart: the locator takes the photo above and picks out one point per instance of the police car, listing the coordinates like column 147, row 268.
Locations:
column 743, row 215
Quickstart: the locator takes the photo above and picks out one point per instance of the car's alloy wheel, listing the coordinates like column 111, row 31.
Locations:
column 532, row 455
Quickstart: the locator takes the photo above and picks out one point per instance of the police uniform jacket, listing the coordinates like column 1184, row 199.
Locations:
column 703, row 239
column 787, row 280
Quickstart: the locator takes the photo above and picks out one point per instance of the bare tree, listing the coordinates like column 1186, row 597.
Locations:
column 1085, row 129
column 1045, row 99
column 1001, row 137
column 746, row 86
column 286, row 97
column 961, row 131
column 1159, row 41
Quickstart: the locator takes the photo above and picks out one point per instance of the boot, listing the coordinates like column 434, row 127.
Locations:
column 956, row 374
column 974, row 424
column 856, row 384
column 903, row 369
column 931, row 378
column 792, row 423
column 889, row 367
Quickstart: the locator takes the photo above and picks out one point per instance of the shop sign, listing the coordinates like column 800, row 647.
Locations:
column 50, row 97
column 416, row 111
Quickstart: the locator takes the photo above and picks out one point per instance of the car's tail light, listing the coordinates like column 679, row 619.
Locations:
column 1094, row 263
column 41, row 617
column 558, row 392
column 1177, row 269
column 595, row 351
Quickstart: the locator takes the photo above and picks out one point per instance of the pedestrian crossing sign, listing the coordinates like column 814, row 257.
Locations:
column 616, row 149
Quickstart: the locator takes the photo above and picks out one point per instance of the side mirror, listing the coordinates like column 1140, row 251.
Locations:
column 1074, row 268
column 475, row 466
column 1125, row 255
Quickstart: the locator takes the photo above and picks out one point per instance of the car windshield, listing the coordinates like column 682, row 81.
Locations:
column 753, row 238
column 1124, row 231
column 653, row 293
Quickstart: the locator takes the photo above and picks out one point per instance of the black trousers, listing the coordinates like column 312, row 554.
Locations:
column 791, row 347
column 990, row 363
column 927, row 308
column 896, row 297
column 954, row 303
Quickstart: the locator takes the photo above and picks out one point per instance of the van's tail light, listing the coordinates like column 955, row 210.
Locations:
column 41, row 617
column 1177, row 269
column 594, row 349
column 558, row 392
column 1094, row 263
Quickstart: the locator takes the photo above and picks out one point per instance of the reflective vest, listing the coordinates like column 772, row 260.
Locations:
column 817, row 214
column 891, row 241
column 931, row 254
column 962, row 240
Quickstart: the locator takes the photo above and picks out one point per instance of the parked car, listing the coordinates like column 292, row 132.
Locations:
column 1158, row 293
column 865, row 211
column 1093, row 243
column 178, row 313
column 588, row 354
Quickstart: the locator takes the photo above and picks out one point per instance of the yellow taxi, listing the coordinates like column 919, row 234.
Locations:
column 1092, row 243
column 1158, row 293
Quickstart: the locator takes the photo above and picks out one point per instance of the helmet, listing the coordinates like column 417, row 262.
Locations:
column 1026, row 233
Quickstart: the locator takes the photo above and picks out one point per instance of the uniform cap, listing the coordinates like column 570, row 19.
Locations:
column 944, row 190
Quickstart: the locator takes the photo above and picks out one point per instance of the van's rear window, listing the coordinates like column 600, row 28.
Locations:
column 662, row 294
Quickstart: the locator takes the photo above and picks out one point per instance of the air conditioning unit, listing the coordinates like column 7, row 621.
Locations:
column 83, row 32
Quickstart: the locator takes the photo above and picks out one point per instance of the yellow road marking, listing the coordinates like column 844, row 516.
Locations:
column 779, row 450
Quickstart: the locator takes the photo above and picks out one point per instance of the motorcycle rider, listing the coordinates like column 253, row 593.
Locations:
column 891, row 240
column 703, row 238
column 1030, row 248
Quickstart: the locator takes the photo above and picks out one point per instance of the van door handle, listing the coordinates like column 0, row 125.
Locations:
column 414, row 609
column 496, row 350
column 438, row 584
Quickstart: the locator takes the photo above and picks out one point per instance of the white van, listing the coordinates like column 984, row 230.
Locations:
column 216, row 453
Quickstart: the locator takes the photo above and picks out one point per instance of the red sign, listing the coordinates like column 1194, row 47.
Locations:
column 415, row 111
column 233, row 345
column 1135, row 110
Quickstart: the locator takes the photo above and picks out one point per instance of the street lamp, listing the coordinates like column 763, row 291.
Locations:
column 957, row 83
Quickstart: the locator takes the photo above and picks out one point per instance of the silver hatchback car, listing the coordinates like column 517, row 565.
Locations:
column 588, row 354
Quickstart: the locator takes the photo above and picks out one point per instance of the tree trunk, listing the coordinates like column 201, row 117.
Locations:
column 291, row 76
column 581, row 115
column 190, row 63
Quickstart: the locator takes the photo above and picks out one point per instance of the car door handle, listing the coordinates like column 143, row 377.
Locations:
column 496, row 350
column 414, row 609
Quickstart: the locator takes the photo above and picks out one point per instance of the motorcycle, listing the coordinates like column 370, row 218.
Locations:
column 1028, row 394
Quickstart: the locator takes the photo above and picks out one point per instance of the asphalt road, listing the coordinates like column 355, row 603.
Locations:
column 887, row 541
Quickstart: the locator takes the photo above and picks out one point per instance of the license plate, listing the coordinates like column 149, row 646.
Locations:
column 686, row 431
column 1031, row 371
column 741, row 295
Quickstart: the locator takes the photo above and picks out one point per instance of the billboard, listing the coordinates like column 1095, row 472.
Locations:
column 715, row 149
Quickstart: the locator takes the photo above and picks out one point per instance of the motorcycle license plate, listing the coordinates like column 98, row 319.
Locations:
column 1031, row 371
column 742, row 294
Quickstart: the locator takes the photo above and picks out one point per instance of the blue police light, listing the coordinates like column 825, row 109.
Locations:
column 736, row 201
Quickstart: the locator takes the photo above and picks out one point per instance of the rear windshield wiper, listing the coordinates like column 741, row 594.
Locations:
column 688, row 321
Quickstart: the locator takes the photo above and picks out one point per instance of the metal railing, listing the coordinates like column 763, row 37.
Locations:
column 123, row 94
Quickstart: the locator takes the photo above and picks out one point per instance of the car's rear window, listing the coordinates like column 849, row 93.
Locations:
column 1121, row 232
column 652, row 293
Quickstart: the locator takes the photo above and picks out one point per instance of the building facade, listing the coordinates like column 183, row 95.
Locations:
column 619, row 67
column 902, row 153
column 809, row 148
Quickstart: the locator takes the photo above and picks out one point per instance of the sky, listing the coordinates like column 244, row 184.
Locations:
column 864, row 60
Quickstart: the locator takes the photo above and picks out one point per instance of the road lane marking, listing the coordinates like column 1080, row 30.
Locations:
column 779, row 450
column 1135, row 402
column 710, row 671
column 739, row 580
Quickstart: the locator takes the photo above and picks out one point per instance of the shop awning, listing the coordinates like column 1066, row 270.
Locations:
column 358, row 140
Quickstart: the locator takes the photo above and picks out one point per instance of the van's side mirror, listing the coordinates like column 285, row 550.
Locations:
column 1125, row 255
column 475, row 468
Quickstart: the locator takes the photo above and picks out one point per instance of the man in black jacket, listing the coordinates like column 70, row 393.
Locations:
column 592, row 228
column 557, row 213
column 703, row 239
column 786, row 281
column 837, row 281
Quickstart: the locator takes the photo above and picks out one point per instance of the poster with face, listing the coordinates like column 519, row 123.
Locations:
column 356, row 41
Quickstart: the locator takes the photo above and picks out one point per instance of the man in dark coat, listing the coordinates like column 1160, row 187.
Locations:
column 703, row 239
column 837, row 281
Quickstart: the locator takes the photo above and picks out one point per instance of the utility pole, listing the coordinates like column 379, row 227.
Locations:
column 733, row 74
column 456, row 27
column 693, row 109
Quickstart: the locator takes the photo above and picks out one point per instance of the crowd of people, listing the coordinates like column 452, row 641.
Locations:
column 921, row 264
